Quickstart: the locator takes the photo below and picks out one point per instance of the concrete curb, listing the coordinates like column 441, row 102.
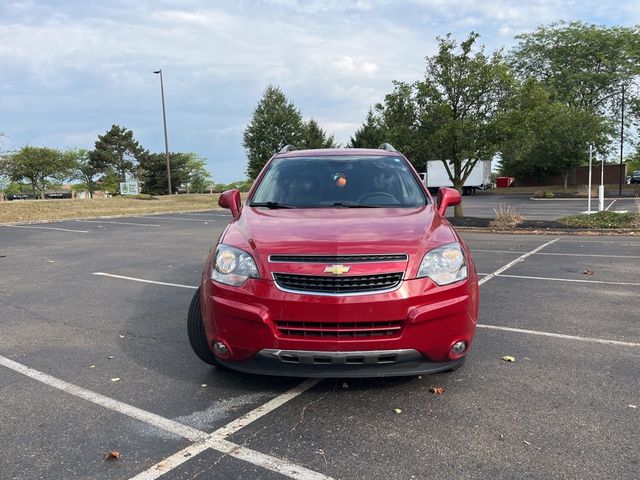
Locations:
column 106, row 217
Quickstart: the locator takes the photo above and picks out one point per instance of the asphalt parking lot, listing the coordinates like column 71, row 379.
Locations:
column 94, row 358
column 482, row 206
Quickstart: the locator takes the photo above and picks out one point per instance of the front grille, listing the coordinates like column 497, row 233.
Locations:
column 327, row 284
column 400, row 257
column 334, row 330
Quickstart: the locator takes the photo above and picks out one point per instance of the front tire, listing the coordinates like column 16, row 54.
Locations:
column 197, row 335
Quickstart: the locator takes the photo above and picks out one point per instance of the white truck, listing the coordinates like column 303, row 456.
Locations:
column 436, row 176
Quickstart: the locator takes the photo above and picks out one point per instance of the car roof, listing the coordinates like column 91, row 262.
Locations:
column 352, row 152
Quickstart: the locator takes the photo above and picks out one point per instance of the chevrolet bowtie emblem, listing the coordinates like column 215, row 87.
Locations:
column 336, row 269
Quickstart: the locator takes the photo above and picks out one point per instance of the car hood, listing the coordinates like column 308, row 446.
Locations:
column 333, row 231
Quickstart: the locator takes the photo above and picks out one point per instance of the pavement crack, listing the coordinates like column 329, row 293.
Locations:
column 313, row 402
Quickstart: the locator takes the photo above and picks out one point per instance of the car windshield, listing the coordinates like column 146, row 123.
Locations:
column 339, row 181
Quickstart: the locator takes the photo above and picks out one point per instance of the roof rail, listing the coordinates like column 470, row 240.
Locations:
column 288, row 148
column 388, row 147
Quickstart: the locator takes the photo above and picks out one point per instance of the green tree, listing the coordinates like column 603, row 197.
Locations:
column 316, row 137
column 401, row 124
column 118, row 149
column 39, row 166
column 84, row 170
column 186, row 168
column 275, row 122
column 583, row 65
column 16, row 188
column 452, row 114
column 198, row 177
column 109, row 181
column 633, row 161
column 544, row 137
column 370, row 134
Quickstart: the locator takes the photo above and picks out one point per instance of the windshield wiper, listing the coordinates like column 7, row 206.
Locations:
column 352, row 205
column 273, row 205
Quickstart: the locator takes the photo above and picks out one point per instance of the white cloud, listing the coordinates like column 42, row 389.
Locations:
column 77, row 67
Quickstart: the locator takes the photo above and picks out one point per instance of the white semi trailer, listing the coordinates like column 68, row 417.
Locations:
column 436, row 176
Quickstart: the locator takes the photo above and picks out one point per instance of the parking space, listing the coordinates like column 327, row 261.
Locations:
column 93, row 363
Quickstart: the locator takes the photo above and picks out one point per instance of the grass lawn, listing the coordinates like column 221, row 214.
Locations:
column 39, row 210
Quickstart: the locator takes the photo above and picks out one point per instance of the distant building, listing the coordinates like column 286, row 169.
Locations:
column 579, row 176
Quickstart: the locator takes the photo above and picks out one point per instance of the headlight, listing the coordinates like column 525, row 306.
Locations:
column 444, row 265
column 233, row 266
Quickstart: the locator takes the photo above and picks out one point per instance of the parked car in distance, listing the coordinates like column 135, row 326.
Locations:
column 635, row 177
column 339, row 264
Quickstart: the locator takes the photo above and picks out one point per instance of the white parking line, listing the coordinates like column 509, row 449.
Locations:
column 120, row 223
column 176, row 428
column 521, row 258
column 217, row 441
column 558, row 254
column 45, row 228
column 610, row 205
column 207, row 214
column 256, row 413
column 607, row 242
column 575, row 280
column 142, row 280
column 174, row 461
column 178, row 218
column 561, row 335
column 202, row 440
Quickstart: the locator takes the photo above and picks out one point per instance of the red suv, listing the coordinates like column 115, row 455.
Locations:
column 339, row 264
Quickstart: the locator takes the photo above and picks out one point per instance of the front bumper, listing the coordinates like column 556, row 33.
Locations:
column 433, row 319
column 376, row 363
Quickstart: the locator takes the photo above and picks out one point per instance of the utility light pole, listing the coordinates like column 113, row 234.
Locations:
column 590, row 163
column 166, row 141
column 621, row 143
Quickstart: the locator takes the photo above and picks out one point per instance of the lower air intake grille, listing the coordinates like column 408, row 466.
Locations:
column 327, row 284
column 334, row 330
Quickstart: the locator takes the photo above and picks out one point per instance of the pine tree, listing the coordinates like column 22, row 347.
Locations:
column 275, row 122
column 117, row 149
column 316, row 137
column 370, row 134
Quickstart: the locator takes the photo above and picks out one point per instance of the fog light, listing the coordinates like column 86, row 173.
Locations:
column 458, row 348
column 220, row 349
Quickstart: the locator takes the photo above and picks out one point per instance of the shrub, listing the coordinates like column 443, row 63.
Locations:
column 604, row 219
column 506, row 217
column 543, row 194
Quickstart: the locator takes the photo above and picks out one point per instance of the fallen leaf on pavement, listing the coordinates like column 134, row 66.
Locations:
column 397, row 410
column 115, row 379
column 588, row 272
column 633, row 406
column 509, row 358
column 113, row 455
column 204, row 385
column 437, row 390
column 345, row 385
column 110, row 357
column 527, row 443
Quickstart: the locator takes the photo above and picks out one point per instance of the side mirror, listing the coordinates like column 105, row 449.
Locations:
column 447, row 197
column 231, row 199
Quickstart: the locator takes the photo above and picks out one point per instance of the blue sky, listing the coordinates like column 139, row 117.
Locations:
column 71, row 69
